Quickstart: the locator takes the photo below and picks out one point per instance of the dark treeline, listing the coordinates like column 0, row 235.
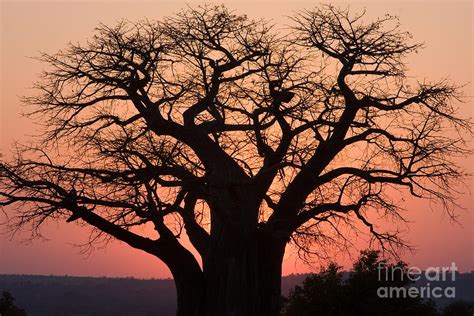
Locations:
column 66, row 295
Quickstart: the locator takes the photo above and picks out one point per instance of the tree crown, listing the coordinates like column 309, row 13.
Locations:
column 164, row 123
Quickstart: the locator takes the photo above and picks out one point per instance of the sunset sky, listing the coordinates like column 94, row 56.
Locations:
column 446, row 28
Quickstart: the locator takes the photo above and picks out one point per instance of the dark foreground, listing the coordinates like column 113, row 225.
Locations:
column 84, row 296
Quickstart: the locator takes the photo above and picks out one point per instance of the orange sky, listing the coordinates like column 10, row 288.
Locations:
column 446, row 27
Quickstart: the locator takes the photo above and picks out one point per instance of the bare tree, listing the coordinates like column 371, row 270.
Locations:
column 242, row 136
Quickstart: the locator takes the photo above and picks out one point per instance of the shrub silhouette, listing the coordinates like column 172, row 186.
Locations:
column 459, row 308
column 7, row 306
column 329, row 293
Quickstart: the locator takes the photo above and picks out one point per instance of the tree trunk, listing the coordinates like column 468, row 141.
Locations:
column 243, row 276
column 271, row 252
column 241, row 265
column 190, row 297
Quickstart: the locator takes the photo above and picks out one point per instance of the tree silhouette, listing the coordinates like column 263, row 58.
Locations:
column 459, row 308
column 328, row 293
column 8, row 307
column 239, row 135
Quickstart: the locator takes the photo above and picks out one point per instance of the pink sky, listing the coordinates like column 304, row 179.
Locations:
column 29, row 27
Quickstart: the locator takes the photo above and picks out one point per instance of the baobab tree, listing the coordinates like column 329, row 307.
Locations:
column 241, row 136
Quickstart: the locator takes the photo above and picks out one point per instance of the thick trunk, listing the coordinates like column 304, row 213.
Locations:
column 188, row 277
column 190, row 297
column 270, row 255
column 241, row 262
column 243, row 276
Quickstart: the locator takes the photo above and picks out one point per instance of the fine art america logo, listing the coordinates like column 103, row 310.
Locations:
column 431, row 275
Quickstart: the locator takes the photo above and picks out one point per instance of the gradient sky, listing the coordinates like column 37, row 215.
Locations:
column 445, row 27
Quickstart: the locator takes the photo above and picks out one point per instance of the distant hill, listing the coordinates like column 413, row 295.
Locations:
column 84, row 296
